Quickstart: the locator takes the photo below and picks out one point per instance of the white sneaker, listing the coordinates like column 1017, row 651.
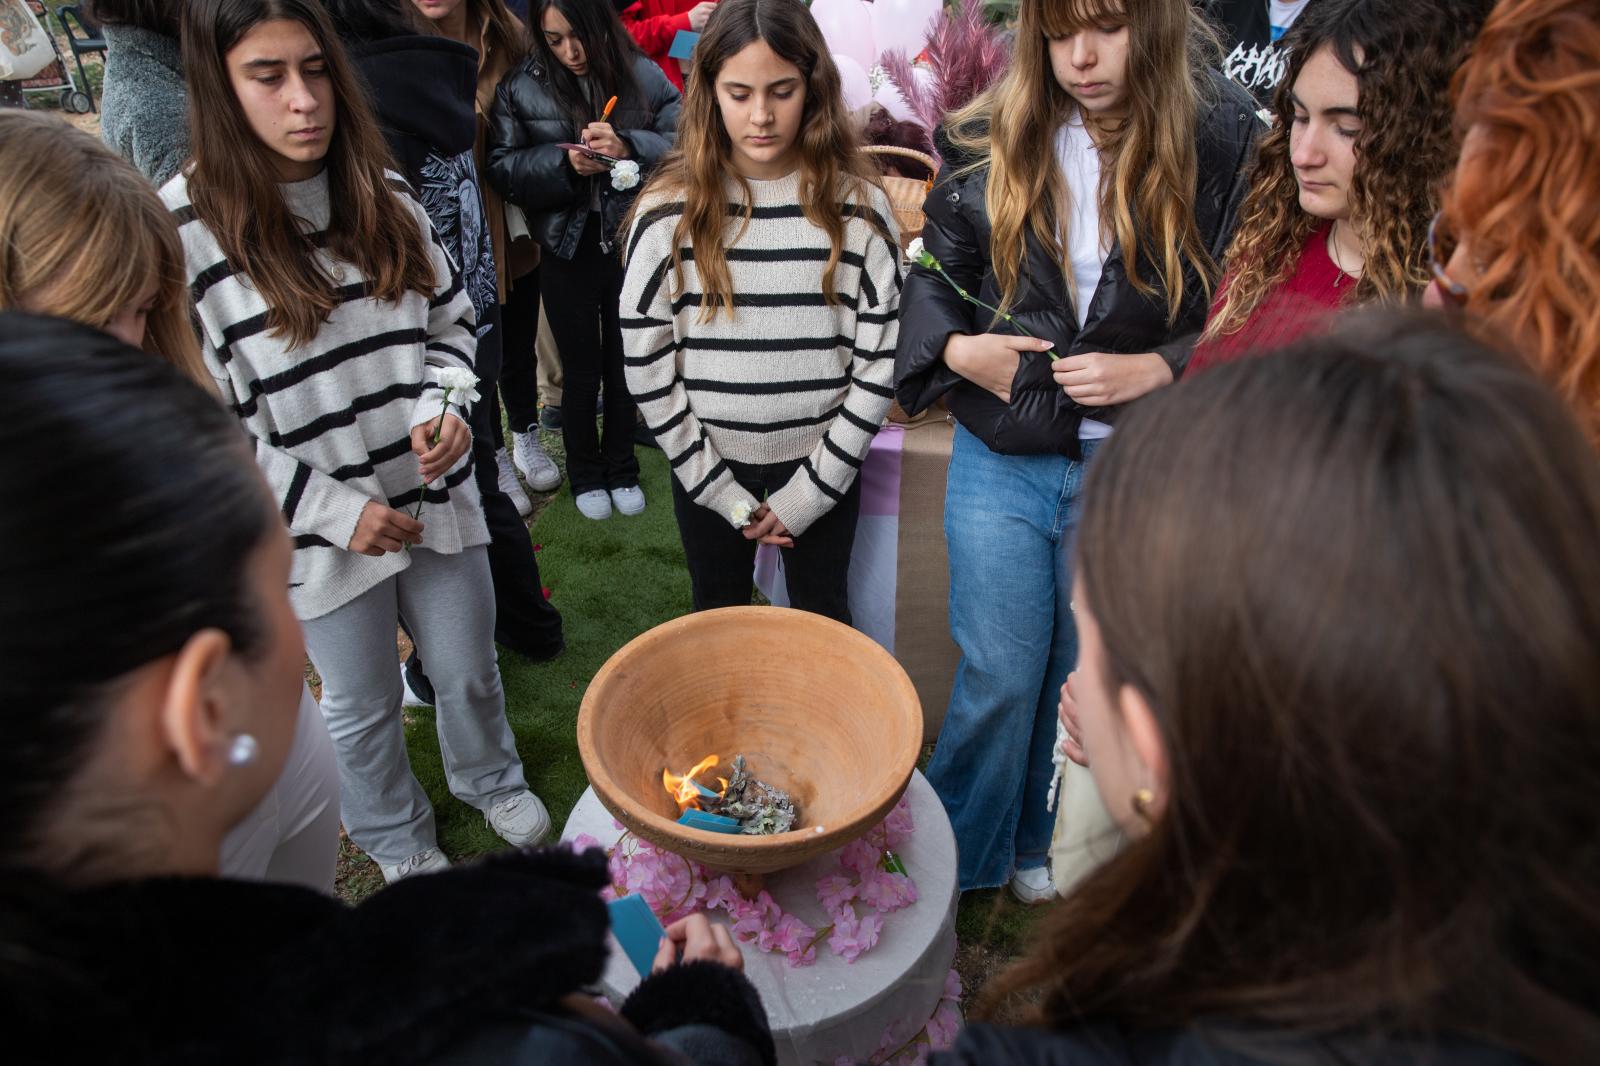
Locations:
column 506, row 475
column 408, row 695
column 1033, row 886
column 629, row 500
column 538, row 469
column 520, row 820
column 595, row 504
column 428, row 861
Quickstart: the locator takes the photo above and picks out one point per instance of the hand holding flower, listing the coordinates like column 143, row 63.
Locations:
column 1098, row 379
column 440, row 444
column 767, row 528
column 381, row 529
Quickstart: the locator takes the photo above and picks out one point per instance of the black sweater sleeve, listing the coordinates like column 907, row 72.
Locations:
column 525, row 166
column 930, row 310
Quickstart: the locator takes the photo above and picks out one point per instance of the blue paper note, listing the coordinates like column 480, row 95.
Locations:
column 712, row 823
column 637, row 929
column 683, row 45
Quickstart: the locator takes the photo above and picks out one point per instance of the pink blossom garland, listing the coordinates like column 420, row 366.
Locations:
column 896, row 1049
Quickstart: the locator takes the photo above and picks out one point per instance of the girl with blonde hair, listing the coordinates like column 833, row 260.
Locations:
column 1092, row 191
column 84, row 237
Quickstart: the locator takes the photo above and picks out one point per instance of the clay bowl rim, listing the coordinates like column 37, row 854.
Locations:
column 750, row 854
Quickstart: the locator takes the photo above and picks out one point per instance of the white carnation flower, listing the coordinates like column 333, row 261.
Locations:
column 914, row 250
column 740, row 513
column 461, row 384
column 624, row 174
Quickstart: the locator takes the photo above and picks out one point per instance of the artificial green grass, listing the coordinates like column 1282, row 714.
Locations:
column 611, row 581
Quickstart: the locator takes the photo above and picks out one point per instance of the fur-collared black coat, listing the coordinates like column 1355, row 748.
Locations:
column 527, row 168
column 1041, row 418
column 466, row 966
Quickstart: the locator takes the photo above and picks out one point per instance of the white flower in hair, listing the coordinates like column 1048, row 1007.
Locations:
column 624, row 174
column 460, row 383
column 740, row 513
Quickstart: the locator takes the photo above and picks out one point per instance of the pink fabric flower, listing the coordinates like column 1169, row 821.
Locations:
column 852, row 936
column 952, row 985
column 944, row 1025
column 859, row 856
column 884, row 891
column 834, row 891
column 899, row 826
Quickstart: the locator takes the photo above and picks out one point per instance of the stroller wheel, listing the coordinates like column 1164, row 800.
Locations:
column 77, row 102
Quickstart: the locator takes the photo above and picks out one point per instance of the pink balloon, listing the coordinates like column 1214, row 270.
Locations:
column 847, row 27
column 853, row 80
column 902, row 24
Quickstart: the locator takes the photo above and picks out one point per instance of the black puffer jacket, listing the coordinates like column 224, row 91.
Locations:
column 1041, row 418
column 527, row 168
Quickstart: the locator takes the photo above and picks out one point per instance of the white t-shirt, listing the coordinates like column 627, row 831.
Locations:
column 1282, row 13
column 1087, row 246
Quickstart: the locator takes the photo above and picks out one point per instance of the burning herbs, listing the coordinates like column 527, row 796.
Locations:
column 743, row 805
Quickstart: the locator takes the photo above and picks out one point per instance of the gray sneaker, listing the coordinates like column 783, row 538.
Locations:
column 520, row 820
column 427, row 861
column 629, row 500
column 538, row 469
column 595, row 504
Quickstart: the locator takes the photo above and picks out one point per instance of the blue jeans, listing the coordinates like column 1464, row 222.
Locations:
column 1008, row 521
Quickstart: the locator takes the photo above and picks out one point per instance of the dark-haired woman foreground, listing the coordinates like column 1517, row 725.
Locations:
column 153, row 671
column 1338, row 679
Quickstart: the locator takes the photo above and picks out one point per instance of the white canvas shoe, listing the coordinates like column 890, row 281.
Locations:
column 1033, row 886
column 427, row 861
column 520, row 820
column 538, row 469
column 506, row 476
column 595, row 504
column 629, row 500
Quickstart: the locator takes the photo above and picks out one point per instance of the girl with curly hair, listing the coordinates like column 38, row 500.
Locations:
column 1518, row 239
column 1346, row 180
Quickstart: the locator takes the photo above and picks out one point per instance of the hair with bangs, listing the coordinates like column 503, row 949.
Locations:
column 833, row 168
column 1402, row 56
column 233, row 181
column 57, row 258
column 1526, row 199
column 1149, row 162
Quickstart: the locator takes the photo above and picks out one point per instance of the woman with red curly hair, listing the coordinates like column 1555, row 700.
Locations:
column 1518, row 241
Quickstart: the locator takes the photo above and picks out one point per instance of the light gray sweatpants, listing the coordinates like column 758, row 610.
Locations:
column 448, row 603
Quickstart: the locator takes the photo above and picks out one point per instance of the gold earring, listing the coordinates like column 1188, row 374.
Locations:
column 1142, row 799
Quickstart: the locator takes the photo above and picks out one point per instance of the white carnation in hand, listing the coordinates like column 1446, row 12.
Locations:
column 740, row 513
column 624, row 174
column 461, row 384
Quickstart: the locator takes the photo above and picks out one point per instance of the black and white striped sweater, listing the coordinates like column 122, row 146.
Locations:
column 331, row 420
column 785, row 377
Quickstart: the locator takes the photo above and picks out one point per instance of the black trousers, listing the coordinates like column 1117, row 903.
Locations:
column 519, row 376
column 580, row 300
column 722, row 561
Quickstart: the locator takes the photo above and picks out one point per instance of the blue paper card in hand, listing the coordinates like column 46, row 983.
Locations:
column 637, row 929
column 683, row 45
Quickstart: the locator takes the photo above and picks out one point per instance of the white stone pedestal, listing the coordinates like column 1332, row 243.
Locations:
column 834, row 1008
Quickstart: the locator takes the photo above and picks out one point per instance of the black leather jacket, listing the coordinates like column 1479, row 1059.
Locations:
column 1041, row 418
column 527, row 168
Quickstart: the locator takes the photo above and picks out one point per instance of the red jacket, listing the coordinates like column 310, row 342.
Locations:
column 654, row 23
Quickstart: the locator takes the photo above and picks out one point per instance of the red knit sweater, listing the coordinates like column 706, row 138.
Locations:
column 1299, row 306
column 654, row 23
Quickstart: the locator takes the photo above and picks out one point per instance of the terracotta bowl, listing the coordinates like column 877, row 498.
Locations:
column 814, row 707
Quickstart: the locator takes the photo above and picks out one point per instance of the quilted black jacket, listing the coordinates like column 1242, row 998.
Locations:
column 1040, row 418
column 527, row 168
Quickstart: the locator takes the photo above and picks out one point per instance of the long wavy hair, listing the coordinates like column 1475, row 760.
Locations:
column 1377, row 689
column 1148, row 160
column 1402, row 56
column 1526, row 201
column 82, row 235
column 608, row 47
column 234, row 187
column 833, row 169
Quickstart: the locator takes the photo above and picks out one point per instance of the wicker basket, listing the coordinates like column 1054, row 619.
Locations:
column 906, row 195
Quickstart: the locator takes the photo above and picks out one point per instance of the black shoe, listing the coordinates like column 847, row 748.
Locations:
column 539, row 655
column 550, row 418
column 421, row 687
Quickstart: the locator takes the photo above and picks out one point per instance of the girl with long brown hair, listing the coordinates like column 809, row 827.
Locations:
column 119, row 267
column 1338, row 682
column 759, row 309
column 586, row 84
column 337, row 327
column 1093, row 189
column 1518, row 240
column 1346, row 181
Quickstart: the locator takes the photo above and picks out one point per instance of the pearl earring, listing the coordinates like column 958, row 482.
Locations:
column 242, row 752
